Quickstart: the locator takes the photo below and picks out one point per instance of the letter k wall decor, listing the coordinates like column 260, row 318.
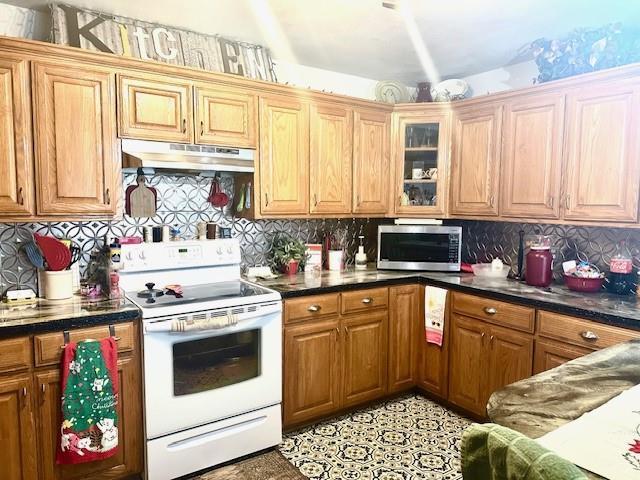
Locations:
column 133, row 38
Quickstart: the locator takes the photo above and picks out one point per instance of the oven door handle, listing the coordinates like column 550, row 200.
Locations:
column 164, row 326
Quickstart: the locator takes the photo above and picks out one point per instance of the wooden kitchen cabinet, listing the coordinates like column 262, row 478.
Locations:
column 128, row 460
column 549, row 354
column 226, row 116
column 475, row 166
column 371, row 169
column 331, row 151
column 284, row 156
column 421, row 144
column 154, row 107
column 18, row 460
column 510, row 357
column 312, row 376
column 17, row 193
column 404, row 336
column 602, row 175
column 75, row 138
column 364, row 370
column 532, row 156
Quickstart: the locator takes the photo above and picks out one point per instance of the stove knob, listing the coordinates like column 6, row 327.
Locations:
column 141, row 255
column 230, row 250
column 129, row 256
column 219, row 251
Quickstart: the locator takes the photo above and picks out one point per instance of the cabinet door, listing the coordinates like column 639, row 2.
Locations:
column 404, row 312
column 421, row 165
column 511, row 358
column 468, row 364
column 365, row 357
column 75, row 139
column 17, row 431
column 17, row 195
column 602, row 149
column 284, row 156
column 532, row 156
column 433, row 360
column 225, row 116
column 155, row 108
column 330, row 159
column 475, row 168
column 311, row 370
column 371, row 170
column 127, row 461
column 549, row 354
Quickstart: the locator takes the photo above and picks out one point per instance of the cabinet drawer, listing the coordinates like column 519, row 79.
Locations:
column 362, row 300
column 48, row 347
column 581, row 332
column 494, row 311
column 314, row 306
column 15, row 354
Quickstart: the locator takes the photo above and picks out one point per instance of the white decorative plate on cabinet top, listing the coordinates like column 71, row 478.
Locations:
column 391, row 92
column 449, row 90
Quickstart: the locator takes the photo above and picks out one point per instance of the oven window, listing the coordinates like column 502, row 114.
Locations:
column 215, row 362
column 415, row 247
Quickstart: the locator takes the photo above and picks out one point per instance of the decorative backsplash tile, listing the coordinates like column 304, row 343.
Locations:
column 182, row 202
column 484, row 240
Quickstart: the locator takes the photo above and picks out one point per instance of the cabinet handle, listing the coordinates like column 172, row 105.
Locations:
column 315, row 199
column 314, row 308
column 551, row 199
column 400, row 200
column 43, row 391
column 567, row 202
column 337, row 333
column 491, row 200
column 491, row 341
column 482, row 338
column 184, row 125
column 589, row 335
column 266, row 199
column 490, row 310
column 20, row 196
column 358, row 200
column 367, row 300
column 107, row 196
column 346, row 331
column 201, row 127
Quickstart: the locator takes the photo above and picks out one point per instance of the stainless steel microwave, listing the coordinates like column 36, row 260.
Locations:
column 419, row 247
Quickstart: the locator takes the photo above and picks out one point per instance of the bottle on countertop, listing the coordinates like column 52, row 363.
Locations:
column 621, row 279
column 361, row 256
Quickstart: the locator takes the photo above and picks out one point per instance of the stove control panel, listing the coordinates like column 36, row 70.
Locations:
column 171, row 255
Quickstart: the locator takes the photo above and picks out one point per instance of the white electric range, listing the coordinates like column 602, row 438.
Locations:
column 212, row 394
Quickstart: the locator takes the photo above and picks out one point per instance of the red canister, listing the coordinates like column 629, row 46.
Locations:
column 539, row 266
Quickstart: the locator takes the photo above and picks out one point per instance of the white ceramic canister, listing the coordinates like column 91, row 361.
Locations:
column 58, row 285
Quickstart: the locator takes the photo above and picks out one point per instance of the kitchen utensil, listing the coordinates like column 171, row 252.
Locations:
column 247, row 197
column 485, row 270
column 55, row 253
column 580, row 284
column 75, row 254
column 240, row 205
column 140, row 200
column 217, row 197
column 34, row 255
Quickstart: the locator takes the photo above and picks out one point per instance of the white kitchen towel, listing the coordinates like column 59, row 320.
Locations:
column 435, row 304
column 605, row 441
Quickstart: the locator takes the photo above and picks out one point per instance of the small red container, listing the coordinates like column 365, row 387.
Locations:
column 583, row 284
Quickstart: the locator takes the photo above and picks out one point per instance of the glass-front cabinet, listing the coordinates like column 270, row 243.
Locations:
column 422, row 151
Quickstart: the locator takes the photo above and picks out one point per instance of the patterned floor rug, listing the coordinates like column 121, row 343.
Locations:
column 408, row 438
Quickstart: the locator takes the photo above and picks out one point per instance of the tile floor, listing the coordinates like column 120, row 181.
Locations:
column 408, row 438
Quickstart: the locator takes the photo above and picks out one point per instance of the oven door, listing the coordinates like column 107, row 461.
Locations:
column 194, row 378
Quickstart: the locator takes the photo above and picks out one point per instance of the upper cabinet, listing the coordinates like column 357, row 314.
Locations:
column 16, row 162
column 331, row 134
column 532, row 156
column 155, row 108
column 226, row 116
column 77, row 162
column 602, row 152
column 284, row 156
column 475, row 167
column 421, row 164
column 371, row 169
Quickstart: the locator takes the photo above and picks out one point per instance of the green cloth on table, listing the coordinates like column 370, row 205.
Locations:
column 494, row 452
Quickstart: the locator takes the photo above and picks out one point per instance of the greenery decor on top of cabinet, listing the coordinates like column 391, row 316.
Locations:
column 421, row 146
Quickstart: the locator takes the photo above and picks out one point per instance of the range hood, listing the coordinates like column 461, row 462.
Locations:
column 180, row 157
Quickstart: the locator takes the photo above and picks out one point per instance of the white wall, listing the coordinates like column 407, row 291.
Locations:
column 506, row 78
column 23, row 22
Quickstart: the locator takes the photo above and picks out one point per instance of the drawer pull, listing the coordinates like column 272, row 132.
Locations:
column 589, row 335
column 367, row 300
column 314, row 308
column 490, row 310
column 184, row 125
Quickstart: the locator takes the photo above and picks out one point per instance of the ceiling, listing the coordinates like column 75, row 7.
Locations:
column 360, row 37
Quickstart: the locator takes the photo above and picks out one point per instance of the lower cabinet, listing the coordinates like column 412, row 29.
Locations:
column 405, row 336
column 550, row 354
column 485, row 358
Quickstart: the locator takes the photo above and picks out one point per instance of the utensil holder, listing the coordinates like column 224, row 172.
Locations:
column 58, row 285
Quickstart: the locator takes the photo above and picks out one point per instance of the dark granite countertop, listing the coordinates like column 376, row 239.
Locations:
column 50, row 315
column 544, row 402
column 623, row 311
